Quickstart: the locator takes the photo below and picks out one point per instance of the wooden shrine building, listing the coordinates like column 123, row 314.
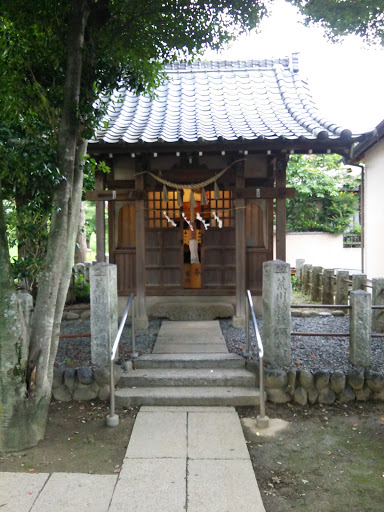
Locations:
column 195, row 173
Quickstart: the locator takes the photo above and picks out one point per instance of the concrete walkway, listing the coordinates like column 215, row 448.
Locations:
column 186, row 337
column 179, row 459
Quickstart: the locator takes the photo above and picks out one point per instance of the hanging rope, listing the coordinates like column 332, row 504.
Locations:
column 194, row 186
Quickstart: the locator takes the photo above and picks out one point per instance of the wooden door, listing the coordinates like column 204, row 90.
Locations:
column 218, row 266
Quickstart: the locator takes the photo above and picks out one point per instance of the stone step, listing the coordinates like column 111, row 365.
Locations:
column 184, row 396
column 213, row 360
column 238, row 377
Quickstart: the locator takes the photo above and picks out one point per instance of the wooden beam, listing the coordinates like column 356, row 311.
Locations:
column 265, row 193
column 240, row 249
column 100, row 219
column 114, row 195
column 281, row 209
column 141, row 311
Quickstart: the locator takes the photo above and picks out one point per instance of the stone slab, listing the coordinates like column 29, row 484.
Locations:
column 188, row 377
column 18, row 491
column 158, row 434
column 181, row 360
column 67, row 492
column 191, row 408
column 198, row 396
column 215, row 436
column 223, row 485
column 185, row 348
column 148, row 485
column 192, row 310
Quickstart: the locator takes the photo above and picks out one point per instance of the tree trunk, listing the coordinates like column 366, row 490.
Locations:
column 81, row 238
column 27, row 413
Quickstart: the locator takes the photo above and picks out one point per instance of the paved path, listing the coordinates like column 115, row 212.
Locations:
column 188, row 337
column 179, row 459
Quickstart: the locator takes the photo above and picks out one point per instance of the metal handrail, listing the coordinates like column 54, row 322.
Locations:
column 262, row 419
column 112, row 420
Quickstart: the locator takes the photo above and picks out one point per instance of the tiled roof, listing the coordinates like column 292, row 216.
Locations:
column 210, row 101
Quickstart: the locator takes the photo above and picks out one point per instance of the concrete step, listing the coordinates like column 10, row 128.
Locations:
column 203, row 396
column 197, row 361
column 238, row 377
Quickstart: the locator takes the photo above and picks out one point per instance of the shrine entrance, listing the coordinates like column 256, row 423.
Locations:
column 191, row 246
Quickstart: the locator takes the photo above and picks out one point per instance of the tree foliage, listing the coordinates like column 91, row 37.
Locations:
column 56, row 57
column 326, row 196
column 364, row 18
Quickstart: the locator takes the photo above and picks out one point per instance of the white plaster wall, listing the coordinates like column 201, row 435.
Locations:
column 322, row 249
column 374, row 211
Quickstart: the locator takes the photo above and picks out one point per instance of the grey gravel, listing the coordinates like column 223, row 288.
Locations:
column 76, row 352
column 310, row 353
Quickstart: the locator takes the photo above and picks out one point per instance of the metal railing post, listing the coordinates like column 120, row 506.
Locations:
column 247, row 351
column 262, row 420
column 112, row 420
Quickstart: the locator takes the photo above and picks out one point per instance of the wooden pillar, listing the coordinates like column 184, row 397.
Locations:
column 239, row 318
column 100, row 219
column 281, row 210
column 141, row 310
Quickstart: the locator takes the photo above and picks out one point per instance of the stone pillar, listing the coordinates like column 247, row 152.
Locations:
column 277, row 312
column 360, row 328
column 26, row 304
column 342, row 287
column 104, row 311
column 316, row 284
column 359, row 281
column 328, row 286
column 307, row 278
column 378, row 300
column 299, row 272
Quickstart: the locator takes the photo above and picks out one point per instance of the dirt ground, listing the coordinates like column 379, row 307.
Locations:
column 77, row 441
column 320, row 458
column 323, row 459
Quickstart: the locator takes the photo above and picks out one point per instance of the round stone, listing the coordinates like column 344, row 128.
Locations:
column 355, row 379
column 300, row 396
column 275, row 379
column 348, row 395
column 313, row 395
column 338, row 382
column 326, row 396
column 375, row 381
column 278, row 396
column 85, row 374
column 306, row 379
column 321, row 379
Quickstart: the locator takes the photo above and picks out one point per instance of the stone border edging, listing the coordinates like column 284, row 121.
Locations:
column 304, row 387
column 83, row 383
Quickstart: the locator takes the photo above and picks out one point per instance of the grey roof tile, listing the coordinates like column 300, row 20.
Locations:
column 219, row 100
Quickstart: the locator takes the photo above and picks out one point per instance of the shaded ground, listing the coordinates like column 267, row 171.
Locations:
column 77, row 440
column 324, row 459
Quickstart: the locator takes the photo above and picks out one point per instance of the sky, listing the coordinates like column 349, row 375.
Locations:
column 346, row 79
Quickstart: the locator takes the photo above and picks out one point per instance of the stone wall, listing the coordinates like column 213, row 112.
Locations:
column 84, row 383
column 305, row 387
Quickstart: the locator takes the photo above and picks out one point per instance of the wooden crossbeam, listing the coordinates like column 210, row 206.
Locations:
column 265, row 193
column 114, row 195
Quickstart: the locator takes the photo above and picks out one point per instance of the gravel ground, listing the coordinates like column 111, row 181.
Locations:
column 311, row 353
column 76, row 352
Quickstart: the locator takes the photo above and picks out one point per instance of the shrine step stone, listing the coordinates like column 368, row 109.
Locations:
column 218, row 360
column 185, row 396
column 238, row 377
column 192, row 310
